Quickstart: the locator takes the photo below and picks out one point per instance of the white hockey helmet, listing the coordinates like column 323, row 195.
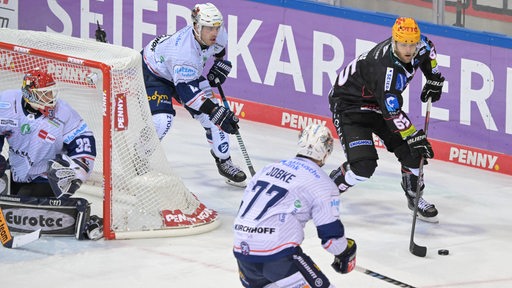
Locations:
column 315, row 142
column 40, row 91
column 206, row 15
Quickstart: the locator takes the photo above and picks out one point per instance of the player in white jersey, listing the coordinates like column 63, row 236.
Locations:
column 51, row 149
column 173, row 67
column 276, row 205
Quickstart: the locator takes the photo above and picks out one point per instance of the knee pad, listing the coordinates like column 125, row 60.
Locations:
column 163, row 123
column 364, row 168
column 404, row 156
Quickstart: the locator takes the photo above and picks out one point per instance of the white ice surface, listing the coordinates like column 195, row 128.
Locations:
column 475, row 225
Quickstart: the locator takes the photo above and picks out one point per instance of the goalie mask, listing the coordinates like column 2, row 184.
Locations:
column 40, row 91
column 315, row 142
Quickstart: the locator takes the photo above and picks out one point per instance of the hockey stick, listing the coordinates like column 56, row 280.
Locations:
column 238, row 136
column 414, row 248
column 9, row 241
column 382, row 277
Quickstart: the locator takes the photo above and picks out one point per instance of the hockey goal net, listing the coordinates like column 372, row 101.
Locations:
column 103, row 82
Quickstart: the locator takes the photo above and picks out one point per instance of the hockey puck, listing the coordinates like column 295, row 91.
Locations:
column 443, row 252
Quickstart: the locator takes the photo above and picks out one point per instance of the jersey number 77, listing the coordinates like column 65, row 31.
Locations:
column 266, row 195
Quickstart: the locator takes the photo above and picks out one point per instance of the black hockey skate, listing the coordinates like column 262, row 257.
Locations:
column 234, row 175
column 94, row 228
column 426, row 211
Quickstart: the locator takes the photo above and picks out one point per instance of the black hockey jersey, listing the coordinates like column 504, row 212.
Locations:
column 374, row 82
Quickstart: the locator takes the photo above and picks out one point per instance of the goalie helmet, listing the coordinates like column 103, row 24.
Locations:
column 405, row 30
column 40, row 91
column 315, row 142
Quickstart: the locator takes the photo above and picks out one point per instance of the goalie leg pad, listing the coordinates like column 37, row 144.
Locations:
column 55, row 217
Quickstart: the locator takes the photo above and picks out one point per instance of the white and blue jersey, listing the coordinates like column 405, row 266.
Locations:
column 179, row 58
column 34, row 138
column 278, row 202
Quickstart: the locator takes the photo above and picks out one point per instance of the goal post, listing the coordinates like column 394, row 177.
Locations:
column 142, row 197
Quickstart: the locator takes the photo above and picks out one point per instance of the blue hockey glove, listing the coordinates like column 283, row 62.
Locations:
column 346, row 261
column 220, row 70
column 433, row 88
column 225, row 119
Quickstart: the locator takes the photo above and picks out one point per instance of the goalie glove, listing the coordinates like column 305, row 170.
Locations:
column 433, row 88
column 66, row 175
column 346, row 261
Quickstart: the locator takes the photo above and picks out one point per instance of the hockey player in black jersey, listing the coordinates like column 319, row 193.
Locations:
column 367, row 98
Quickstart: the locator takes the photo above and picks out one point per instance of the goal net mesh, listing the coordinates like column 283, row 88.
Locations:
column 104, row 83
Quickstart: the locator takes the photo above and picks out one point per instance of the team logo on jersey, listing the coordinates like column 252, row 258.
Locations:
column 392, row 104
column 244, row 248
column 25, row 129
column 223, row 147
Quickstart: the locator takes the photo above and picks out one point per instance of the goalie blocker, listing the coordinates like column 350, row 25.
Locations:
column 55, row 217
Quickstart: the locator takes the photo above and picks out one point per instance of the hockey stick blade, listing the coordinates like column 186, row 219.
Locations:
column 417, row 250
column 382, row 277
column 22, row 240
column 9, row 241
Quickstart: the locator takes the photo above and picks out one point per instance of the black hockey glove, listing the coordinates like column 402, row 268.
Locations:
column 433, row 88
column 346, row 261
column 220, row 70
column 3, row 165
column 101, row 35
column 225, row 119
column 419, row 145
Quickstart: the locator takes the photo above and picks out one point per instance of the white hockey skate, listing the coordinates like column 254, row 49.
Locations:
column 231, row 173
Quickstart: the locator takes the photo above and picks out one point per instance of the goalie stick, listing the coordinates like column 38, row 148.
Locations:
column 414, row 248
column 238, row 136
column 382, row 277
column 9, row 241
